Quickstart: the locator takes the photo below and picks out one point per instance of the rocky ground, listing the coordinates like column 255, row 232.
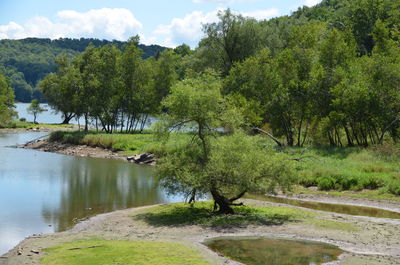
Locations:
column 71, row 149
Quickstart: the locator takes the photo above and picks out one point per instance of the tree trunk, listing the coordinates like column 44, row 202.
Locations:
column 67, row 118
column 222, row 202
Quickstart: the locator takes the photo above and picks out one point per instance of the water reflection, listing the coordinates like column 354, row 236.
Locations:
column 91, row 186
column 44, row 192
column 331, row 207
column 274, row 251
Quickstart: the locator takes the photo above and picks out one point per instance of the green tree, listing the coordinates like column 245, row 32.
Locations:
column 6, row 101
column 224, row 166
column 60, row 88
column 35, row 109
column 232, row 39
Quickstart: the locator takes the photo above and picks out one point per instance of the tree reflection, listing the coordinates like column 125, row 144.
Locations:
column 92, row 186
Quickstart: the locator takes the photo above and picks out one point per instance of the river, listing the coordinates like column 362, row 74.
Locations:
column 44, row 192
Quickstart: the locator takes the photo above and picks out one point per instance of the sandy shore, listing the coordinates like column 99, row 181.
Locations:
column 375, row 241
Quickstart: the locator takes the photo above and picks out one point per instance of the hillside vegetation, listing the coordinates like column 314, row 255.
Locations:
column 27, row 61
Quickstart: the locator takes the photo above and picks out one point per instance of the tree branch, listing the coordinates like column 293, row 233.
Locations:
column 270, row 135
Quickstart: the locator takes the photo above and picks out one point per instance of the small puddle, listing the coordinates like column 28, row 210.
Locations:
column 330, row 207
column 274, row 251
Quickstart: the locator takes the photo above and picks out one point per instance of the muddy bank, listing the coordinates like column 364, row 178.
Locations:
column 374, row 241
column 87, row 151
column 71, row 149
column 381, row 204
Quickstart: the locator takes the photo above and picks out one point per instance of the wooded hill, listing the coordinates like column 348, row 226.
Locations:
column 27, row 61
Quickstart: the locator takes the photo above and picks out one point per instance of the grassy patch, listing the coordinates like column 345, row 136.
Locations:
column 351, row 169
column 104, row 252
column 31, row 125
column 130, row 144
column 201, row 213
column 331, row 224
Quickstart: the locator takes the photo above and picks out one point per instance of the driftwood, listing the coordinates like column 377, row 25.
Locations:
column 269, row 135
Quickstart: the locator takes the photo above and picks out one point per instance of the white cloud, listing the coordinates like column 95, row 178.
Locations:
column 221, row 1
column 212, row 1
column 311, row 3
column 262, row 14
column 108, row 23
column 185, row 30
column 189, row 28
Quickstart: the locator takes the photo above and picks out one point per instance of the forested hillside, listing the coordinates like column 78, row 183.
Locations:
column 329, row 74
column 27, row 61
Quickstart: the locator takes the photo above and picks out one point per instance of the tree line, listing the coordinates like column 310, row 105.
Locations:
column 110, row 88
column 324, row 75
column 29, row 60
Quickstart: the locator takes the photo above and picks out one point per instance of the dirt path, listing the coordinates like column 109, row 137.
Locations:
column 375, row 240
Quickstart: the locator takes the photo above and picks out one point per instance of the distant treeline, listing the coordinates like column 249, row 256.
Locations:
column 329, row 74
column 27, row 61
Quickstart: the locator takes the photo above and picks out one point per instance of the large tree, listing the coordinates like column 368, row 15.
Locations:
column 225, row 166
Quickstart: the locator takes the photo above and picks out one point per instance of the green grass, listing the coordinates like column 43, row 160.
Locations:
column 200, row 213
column 104, row 252
column 351, row 169
column 130, row 144
column 329, row 169
column 31, row 125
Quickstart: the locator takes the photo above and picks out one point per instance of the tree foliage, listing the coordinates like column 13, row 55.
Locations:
column 225, row 166
column 6, row 101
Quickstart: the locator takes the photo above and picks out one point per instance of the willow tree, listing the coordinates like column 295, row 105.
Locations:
column 211, row 161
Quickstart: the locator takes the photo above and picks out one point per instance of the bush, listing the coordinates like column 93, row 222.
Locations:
column 326, row 183
column 371, row 182
column 308, row 181
column 22, row 119
column 394, row 187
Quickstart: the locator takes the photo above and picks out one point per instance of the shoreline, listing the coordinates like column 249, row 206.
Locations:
column 71, row 149
column 367, row 246
column 370, row 245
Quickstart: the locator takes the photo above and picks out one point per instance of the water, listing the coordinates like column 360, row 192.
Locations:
column 50, row 116
column 45, row 117
column 331, row 207
column 274, row 251
column 45, row 192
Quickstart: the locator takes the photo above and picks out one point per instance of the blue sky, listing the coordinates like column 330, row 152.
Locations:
column 163, row 22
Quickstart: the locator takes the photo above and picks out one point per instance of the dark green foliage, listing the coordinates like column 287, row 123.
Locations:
column 6, row 101
column 27, row 61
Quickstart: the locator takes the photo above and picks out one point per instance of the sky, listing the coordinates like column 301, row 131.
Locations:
column 164, row 22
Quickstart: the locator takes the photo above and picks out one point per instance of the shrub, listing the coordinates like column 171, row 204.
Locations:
column 326, row 183
column 394, row 187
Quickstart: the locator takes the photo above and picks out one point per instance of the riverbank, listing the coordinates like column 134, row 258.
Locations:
column 45, row 145
column 366, row 240
column 354, row 172
column 23, row 127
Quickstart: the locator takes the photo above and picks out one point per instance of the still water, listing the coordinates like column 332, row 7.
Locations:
column 256, row 251
column 330, row 207
column 45, row 192
column 49, row 116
